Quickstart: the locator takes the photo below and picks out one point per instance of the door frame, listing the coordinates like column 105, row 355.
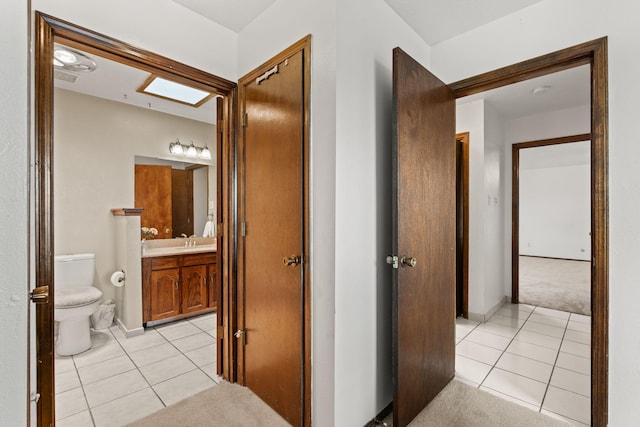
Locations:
column 304, row 46
column 463, row 216
column 48, row 30
column 515, row 202
column 595, row 54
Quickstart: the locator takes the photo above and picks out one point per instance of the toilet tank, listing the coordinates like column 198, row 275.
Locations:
column 74, row 270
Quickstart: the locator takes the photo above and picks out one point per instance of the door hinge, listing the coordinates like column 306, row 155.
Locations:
column 392, row 260
column 244, row 229
column 39, row 295
column 240, row 333
column 244, row 120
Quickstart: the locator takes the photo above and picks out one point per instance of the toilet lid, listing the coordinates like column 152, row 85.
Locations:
column 76, row 297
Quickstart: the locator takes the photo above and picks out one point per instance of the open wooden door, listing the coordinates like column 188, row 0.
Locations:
column 272, row 313
column 153, row 194
column 424, row 237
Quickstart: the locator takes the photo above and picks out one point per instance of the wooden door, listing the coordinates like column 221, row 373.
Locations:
column 182, row 202
column 153, row 194
column 165, row 294
column 424, row 237
column 194, row 288
column 272, row 307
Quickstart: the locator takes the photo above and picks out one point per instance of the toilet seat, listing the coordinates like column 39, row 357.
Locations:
column 76, row 297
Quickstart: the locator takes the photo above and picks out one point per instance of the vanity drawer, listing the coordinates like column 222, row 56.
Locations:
column 162, row 263
column 199, row 259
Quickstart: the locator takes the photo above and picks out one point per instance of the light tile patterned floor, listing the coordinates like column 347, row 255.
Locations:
column 533, row 356
column 120, row 380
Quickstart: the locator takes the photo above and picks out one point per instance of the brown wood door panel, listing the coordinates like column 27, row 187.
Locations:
column 165, row 300
column 273, row 212
column 153, row 194
column 424, row 219
column 194, row 288
column 182, row 202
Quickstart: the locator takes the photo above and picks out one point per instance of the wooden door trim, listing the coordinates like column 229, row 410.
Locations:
column 48, row 30
column 515, row 202
column 464, row 140
column 303, row 45
column 594, row 53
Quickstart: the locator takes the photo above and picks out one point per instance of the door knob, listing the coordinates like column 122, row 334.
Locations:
column 291, row 261
column 408, row 261
column 40, row 295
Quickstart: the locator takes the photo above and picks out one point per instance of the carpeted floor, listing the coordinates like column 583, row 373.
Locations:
column 460, row 405
column 224, row 405
column 231, row 405
column 554, row 283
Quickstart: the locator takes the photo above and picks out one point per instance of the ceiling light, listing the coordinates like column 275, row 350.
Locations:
column 163, row 88
column 541, row 90
column 71, row 60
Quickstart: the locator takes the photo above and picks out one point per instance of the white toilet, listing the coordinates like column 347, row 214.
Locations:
column 75, row 300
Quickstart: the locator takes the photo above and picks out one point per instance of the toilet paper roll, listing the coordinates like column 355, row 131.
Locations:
column 117, row 279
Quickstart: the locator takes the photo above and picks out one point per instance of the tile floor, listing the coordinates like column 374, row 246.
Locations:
column 120, row 380
column 536, row 357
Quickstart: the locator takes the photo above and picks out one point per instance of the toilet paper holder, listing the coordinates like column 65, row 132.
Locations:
column 118, row 278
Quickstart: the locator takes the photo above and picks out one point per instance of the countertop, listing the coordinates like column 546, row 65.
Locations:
column 177, row 250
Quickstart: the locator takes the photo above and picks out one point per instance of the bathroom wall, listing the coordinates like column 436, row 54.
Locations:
column 95, row 142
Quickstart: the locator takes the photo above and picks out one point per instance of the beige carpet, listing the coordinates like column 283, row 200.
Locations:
column 231, row 405
column 554, row 283
column 224, row 405
column 460, row 405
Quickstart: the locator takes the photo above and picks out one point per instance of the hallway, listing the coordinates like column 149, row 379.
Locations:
column 533, row 356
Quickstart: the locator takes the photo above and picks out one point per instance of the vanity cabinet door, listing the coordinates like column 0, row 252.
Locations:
column 165, row 294
column 194, row 286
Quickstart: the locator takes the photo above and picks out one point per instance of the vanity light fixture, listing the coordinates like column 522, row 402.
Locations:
column 176, row 147
column 192, row 150
column 205, row 153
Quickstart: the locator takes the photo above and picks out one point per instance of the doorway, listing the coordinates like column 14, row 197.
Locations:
column 551, row 223
column 594, row 54
column 50, row 30
column 462, row 225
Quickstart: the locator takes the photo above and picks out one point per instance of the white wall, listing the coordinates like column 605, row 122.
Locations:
column 278, row 27
column 363, row 204
column 545, row 27
column 14, row 174
column 470, row 118
column 555, row 212
column 486, row 214
column 494, row 177
column 159, row 26
column 95, row 144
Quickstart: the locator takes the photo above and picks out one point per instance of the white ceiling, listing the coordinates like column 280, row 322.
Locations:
column 118, row 82
column 232, row 14
column 439, row 20
column 566, row 89
column 434, row 20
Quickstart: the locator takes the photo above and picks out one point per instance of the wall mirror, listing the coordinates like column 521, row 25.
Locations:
column 176, row 196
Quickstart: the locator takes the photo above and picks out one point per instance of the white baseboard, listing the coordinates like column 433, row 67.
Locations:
column 483, row 317
column 129, row 332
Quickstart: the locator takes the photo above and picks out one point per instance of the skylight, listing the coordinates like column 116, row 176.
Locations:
column 157, row 86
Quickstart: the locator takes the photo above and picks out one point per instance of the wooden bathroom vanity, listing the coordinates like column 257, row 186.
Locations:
column 178, row 285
